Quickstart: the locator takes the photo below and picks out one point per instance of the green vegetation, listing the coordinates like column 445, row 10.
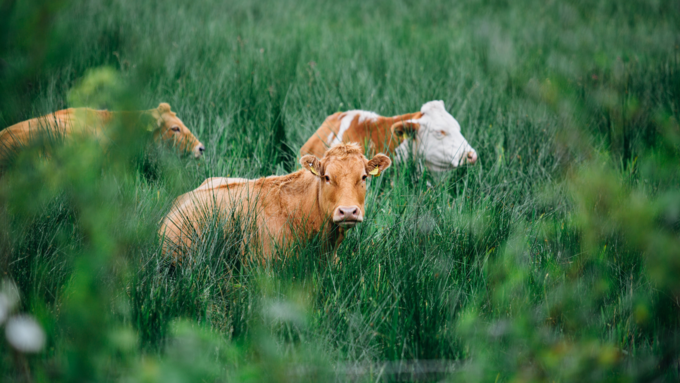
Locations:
column 555, row 258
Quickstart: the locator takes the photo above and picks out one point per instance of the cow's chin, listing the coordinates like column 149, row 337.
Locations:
column 347, row 224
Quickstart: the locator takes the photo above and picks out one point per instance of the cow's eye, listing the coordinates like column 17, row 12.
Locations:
column 175, row 129
column 327, row 178
column 363, row 178
column 441, row 133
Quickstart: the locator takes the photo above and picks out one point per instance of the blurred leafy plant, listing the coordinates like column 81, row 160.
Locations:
column 97, row 89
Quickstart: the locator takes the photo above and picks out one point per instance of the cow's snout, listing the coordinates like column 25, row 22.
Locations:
column 471, row 157
column 347, row 216
column 198, row 150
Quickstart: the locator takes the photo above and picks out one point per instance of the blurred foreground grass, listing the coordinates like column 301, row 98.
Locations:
column 554, row 259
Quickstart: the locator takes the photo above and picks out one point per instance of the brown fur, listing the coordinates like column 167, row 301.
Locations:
column 297, row 205
column 377, row 134
column 71, row 121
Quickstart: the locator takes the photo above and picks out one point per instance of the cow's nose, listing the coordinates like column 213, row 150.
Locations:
column 198, row 150
column 347, row 216
column 471, row 157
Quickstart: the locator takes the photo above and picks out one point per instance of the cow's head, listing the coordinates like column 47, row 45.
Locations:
column 342, row 174
column 435, row 136
column 171, row 130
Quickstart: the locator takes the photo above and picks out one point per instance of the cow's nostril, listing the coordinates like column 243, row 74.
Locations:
column 201, row 148
column 347, row 215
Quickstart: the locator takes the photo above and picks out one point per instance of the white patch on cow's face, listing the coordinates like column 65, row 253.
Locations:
column 438, row 140
column 346, row 122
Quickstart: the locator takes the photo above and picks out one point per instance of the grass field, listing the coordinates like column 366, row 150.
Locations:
column 555, row 258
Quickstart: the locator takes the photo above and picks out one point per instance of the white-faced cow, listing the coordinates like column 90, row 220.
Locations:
column 328, row 194
column 162, row 122
column 433, row 134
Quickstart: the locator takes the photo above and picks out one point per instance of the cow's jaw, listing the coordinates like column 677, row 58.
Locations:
column 450, row 152
column 348, row 224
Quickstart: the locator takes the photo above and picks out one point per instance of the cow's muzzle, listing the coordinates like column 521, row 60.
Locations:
column 347, row 216
column 198, row 150
column 471, row 157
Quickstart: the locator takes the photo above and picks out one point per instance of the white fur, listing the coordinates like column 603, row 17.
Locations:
column 402, row 151
column 346, row 122
column 440, row 152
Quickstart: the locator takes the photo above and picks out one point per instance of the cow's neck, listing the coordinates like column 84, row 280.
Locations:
column 309, row 201
column 143, row 118
column 381, row 138
column 314, row 219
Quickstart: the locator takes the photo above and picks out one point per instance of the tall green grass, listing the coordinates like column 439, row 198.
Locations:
column 553, row 259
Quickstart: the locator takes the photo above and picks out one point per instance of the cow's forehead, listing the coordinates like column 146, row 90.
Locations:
column 345, row 165
column 171, row 118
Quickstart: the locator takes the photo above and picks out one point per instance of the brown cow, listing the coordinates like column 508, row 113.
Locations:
column 328, row 194
column 432, row 133
column 165, row 126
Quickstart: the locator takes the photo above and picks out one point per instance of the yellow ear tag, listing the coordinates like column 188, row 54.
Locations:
column 375, row 172
column 311, row 169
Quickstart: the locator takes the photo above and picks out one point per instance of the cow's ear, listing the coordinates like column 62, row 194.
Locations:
column 163, row 107
column 378, row 164
column 312, row 164
column 157, row 115
column 404, row 129
column 155, row 121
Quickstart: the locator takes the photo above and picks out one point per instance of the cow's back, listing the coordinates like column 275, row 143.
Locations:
column 263, row 207
column 21, row 134
column 59, row 124
column 368, row 129
column 319, row 142
column 215, row 200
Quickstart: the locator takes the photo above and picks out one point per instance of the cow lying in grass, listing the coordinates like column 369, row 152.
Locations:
column 328, row 195
column 164, row 124
column 432, row 133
